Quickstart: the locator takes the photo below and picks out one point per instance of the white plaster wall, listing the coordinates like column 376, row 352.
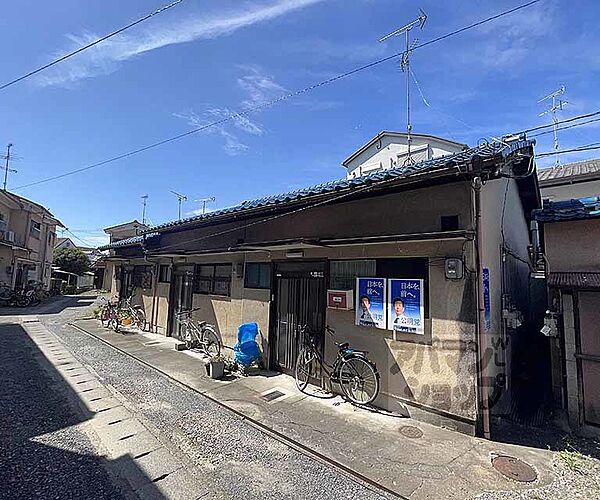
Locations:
column 390, row 147
column 570, row 191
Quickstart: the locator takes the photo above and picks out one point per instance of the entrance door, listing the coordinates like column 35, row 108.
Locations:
column 589, row 357
column 299, row 300
column 181, row 294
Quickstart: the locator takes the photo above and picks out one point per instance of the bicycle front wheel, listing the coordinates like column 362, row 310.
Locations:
column 359, row 380
column 306, row 365
column 211, row 343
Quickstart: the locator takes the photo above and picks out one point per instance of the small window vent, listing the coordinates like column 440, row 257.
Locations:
column 449, row 222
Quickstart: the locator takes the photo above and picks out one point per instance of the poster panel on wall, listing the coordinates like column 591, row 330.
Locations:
column 371, row 302
column 405, row 307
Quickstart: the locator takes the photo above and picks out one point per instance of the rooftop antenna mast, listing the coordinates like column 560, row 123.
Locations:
column 557, row 105
column 180, row 198
column 144, row 202
column 405, row 66
column 204, row 201
column 6, row 166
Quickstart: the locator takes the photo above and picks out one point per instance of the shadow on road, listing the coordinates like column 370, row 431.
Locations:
column 53, row 305
column 43, row 453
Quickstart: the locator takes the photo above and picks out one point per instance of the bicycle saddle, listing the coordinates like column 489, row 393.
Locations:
column 202, row 323
column 343, row 346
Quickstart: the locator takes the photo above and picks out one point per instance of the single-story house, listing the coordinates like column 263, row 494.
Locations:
column 448, row 235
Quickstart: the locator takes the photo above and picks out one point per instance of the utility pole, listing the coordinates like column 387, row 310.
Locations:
column 144, row 201
column 405, row 66
column 180, row 198
column 6, row 166
column 204, row 201
column 557, row 105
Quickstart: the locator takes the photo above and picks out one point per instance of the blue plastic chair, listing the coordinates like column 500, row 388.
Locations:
column 247, row 350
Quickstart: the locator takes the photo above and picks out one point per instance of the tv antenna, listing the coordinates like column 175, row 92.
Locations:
column 204, row 201
column 180, row 198
column 557, row 105
column 144, row 202
column 405, row 66
column 6, row 166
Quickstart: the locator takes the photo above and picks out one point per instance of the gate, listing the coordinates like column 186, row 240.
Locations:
column 300, row 299
column 589, row 354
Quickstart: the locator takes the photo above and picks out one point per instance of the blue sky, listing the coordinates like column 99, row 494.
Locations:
column 206, row 58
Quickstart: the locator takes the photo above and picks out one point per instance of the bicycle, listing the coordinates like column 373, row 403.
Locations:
column 351, row 369
column 199, row 334
column 108, row 313
column 128, row 315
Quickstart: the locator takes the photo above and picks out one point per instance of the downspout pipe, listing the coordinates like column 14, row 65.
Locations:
column 484, row 395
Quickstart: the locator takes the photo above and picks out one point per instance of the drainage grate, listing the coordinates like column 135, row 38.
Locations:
column 273, row 395
column 515, row 469
column 410, row 431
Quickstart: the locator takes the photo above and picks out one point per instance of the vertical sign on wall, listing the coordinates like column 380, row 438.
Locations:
column 406, row 308
column 486, row 299
column 370, row 302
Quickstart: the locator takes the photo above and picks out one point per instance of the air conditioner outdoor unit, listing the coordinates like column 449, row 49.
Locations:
column 9, row 236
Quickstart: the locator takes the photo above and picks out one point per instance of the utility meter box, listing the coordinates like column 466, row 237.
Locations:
column 340, row 299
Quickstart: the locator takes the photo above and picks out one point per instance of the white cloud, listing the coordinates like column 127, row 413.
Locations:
column 259, row 89
column 106, row 57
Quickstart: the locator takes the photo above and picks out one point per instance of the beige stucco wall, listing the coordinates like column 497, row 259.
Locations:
column 570, row 191
column 573, row 245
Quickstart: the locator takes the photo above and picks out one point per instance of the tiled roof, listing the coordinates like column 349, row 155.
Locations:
column 582, row 208
column 134, row 240
column 463, row 157
column 568, row 172
column 574, row 280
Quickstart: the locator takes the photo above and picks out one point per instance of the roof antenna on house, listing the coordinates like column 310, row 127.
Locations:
column 204, row 201
column 557, row 105
column 144, row 202
column 405, row 65
column 180, row 198
column 6, row 166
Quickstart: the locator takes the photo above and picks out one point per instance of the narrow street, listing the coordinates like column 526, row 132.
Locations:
column 80, row 416
column 51, row 453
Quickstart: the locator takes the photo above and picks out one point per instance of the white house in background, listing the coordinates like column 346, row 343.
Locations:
column 570, row 181
column 390, row 150
column 125, row 230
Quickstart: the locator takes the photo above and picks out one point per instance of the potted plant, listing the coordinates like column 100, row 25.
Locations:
column 215, row 368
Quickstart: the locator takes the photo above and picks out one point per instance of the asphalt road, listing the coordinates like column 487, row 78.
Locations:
column 43, row 451
column 49, row 458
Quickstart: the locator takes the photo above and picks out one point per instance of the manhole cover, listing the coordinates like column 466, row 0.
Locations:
column 410, row 431
column 273, row 395
column 514, row 469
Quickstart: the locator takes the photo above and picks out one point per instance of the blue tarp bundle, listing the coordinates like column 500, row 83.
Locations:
column 247, row 350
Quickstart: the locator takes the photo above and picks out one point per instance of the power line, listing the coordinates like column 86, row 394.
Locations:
column 272, row 102
column 87, row 244
column 568, row 120
column 567, row 127
column 574, row 150
column 89, row 45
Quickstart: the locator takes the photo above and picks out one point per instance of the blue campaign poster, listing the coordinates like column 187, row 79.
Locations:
column 370, row 302
column 405, row 307
column 487, row 310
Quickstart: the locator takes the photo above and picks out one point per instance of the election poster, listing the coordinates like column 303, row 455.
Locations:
column 405, row 308
column 371, row 302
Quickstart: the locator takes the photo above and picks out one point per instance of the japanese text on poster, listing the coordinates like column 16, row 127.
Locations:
column 370, row 302
column 406, row 308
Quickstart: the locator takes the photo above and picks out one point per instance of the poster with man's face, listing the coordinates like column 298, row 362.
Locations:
column 405, row 306
column 370, row 302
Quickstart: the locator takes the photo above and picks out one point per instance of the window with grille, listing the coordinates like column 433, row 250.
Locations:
column 36, row 229
column 343, row 273
column 212, row 279
column 142, row 277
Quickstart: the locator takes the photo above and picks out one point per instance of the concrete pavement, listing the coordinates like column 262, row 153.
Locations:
column 411, row 458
